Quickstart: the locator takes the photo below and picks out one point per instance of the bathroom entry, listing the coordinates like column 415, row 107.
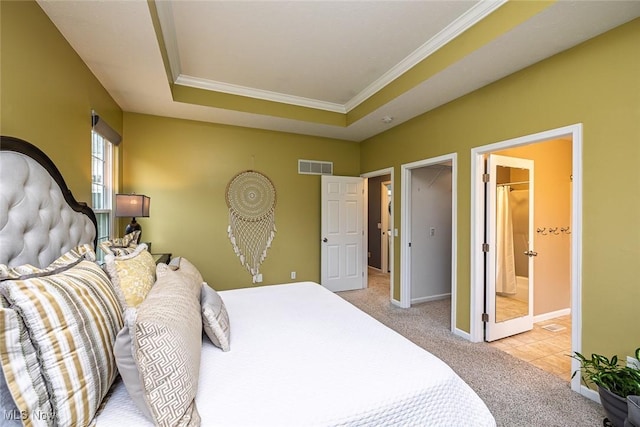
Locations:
column 509, row 248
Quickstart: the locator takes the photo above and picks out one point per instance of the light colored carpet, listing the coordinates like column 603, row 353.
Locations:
column 516, row 393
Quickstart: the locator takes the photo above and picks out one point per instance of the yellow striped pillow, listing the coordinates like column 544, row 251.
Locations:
column 72, row 318
column 65, row 261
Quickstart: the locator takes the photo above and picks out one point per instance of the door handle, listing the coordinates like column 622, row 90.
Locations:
column 325, row 240
column 531, row 253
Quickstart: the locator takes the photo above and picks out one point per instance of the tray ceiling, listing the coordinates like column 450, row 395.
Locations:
column 340, row 69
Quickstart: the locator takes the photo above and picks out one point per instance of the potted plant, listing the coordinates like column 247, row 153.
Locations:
column 614, row 381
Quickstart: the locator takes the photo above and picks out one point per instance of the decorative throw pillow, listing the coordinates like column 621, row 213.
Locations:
column 185, row 267
column 16, row 349
column 215, row 319
column 132, row 275
column 166, row 323
column 121, row 245
column 67, row 260
column 71, row 317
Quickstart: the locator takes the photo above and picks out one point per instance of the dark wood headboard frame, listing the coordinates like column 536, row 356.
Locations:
column 9, row 143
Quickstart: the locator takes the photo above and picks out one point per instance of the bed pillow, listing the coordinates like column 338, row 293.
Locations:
column 122, row 245
column 215, row 319
column 16, row 349
column 132, row 275
column 167, row 323
column 185, row 267
column 71, row 317
column 65, row 261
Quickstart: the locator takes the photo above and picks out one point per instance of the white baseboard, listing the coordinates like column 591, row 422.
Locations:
column 462, row 334
column 431, row 298
column 590, row 394
column 551, row 315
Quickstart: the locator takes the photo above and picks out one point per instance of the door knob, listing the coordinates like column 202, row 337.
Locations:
column 531, row 253
column 325, row 240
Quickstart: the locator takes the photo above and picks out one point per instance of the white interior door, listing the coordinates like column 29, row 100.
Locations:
column 342, row 233
column 510, row 255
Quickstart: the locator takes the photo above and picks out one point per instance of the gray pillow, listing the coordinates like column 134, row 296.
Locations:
column 215, row 319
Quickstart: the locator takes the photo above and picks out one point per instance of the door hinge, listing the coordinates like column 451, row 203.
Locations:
column 485, row 317
column 409, row 244
column 485, row 247
column 485, row 177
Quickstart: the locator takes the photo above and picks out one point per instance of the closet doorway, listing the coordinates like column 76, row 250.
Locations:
column 554, row 237
column 428, row 247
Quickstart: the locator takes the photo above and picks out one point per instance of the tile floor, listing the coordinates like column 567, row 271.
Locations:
column 550, row 351
column 545, row 349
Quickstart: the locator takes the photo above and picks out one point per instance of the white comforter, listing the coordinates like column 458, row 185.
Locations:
column 302, row 356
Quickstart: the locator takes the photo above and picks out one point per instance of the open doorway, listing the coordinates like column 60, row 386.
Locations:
column 555, row 278
column 428, row 249
column 380, row 230
column 547, row 342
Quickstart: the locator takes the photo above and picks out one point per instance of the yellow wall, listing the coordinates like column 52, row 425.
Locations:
column 47, row 93
column 596, row 84
column 185, row 166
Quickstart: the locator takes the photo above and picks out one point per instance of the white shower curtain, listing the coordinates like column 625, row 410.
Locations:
column 505, row 261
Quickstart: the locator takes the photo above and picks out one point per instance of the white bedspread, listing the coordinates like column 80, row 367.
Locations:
column 302, row 356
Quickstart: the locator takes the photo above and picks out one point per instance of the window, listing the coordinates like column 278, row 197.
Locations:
column 102, row 186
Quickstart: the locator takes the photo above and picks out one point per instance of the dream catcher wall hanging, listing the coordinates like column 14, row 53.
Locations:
column 251, row 198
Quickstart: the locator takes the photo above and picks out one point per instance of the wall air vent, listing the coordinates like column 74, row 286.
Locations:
column 315, row 167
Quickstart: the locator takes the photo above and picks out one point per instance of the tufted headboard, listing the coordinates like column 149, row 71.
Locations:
column 39, row 217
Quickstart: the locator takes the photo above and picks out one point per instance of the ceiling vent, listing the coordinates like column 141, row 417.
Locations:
column 315, row 167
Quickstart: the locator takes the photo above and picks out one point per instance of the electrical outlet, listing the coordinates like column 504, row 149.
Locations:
column 259, row 278
column 432, row 231
column 293, row 274
column 633, row 362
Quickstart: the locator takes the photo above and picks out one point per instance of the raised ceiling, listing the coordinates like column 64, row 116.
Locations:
column 339, row 69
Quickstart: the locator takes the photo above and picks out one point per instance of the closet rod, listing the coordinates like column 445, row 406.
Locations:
column 512, row 183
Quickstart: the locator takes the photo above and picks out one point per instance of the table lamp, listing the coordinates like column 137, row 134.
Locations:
column 133, row 205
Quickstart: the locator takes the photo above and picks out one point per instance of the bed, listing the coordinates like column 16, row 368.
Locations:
column 288, row 355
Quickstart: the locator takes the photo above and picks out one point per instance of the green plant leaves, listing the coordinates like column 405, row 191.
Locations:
column 607, row 373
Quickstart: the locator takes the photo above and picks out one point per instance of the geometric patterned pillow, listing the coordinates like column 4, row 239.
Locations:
column 158, row 350
column 121, row 246
column 215, row 319
column 132, row 275
column 72, row 318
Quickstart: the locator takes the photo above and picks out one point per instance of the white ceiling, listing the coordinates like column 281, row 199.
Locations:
column 324, row 55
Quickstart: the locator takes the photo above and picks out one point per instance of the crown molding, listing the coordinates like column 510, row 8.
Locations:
column 471, row 17
column 475, row 14
column 168, row 28
column 267, row 95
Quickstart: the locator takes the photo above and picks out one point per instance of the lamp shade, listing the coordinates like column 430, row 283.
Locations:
column 133, row 205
